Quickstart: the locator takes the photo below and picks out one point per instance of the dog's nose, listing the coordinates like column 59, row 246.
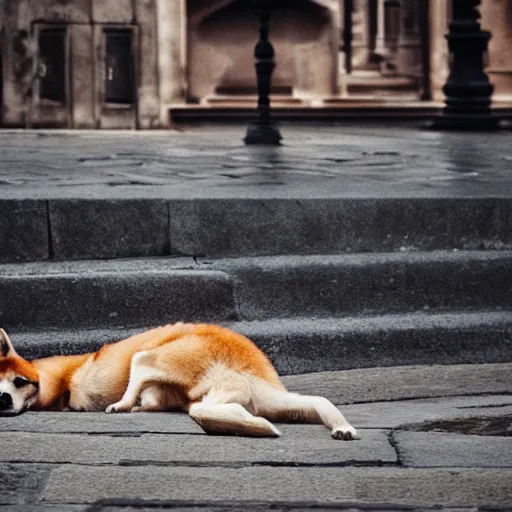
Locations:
column 5, row 401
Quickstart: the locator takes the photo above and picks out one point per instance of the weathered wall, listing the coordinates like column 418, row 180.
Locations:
column 85, row 21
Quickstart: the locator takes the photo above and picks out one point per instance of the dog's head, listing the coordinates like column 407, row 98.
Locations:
column 19, row 380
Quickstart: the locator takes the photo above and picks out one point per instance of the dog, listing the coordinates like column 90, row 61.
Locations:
column 219, row 377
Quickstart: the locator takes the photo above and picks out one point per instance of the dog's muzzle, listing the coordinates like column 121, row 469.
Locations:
column 5, row 401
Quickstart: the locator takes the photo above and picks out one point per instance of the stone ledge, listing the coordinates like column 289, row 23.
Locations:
column 413, row 487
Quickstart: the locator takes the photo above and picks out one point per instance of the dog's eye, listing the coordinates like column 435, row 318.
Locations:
column 19, row 382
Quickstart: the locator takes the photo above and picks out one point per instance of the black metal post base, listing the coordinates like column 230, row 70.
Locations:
column 468, row 90
column 265, row 134
column 263, row 130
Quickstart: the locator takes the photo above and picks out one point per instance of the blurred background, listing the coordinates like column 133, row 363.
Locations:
column 134, row 64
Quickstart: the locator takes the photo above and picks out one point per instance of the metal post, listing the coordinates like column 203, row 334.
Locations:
column 263, row 131
column 468, row 90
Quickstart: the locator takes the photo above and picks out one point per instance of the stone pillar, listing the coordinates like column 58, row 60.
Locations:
column 148, row 112
column 380, row 38
column 496, row 16
column 360, row 34
column 171, row 30
column 409, row 43
column 439, row 54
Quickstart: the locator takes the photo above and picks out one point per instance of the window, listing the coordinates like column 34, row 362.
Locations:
column 52, row 64
column 119, row 72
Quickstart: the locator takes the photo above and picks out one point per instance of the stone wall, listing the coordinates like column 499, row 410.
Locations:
column 83, row 24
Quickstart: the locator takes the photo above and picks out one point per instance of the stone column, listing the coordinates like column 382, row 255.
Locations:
column 171, row 30
column 496, row 16
column 439, row 54
column 360, row 42
column 409, row 43
column 380, row 38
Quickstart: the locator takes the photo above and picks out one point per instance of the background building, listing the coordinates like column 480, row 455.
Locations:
column 126, row 63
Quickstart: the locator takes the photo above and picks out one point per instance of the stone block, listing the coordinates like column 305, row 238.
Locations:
column 126, row 299
column 235, row 227
column 310, row 445
column 428, row 450
column 287, row 486
column 108, row 229
column 23, row 230
column 357, row 284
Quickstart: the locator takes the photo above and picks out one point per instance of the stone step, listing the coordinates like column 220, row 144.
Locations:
column 67, row 229
column 303, row 345
column 369, row 284
column 141, row 292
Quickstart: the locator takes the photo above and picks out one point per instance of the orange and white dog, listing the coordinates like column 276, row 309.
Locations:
column 224, row 382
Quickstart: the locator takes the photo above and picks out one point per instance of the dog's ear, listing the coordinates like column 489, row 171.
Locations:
column 6, row 348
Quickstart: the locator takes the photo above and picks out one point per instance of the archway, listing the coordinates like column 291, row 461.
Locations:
column 221, row 39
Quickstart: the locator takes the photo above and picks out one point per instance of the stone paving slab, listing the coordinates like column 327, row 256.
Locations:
column 150, row 461
column 398, row 414
column 428, row 450
column 21, row 483
column 371, row 415
column 404, row 382
column 450, row 487
column 196, row 450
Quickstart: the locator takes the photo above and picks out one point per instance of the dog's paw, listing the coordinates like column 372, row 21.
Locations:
column 345, row 433
column 117, row 407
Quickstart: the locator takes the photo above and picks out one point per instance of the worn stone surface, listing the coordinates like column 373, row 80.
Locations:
column 108, row 229
column 315, row 448
column 150, row 461
column 328, row 189
column 271, row 287
column 371, row 415
column 23, row 230
column 427, row 450
column 115, row 299
column 309, row 345
column 21, row 483
column 401, row 414
column 315, row 161
column 224, row 227
column 364, row 284
column 292, row 485
column 404, row 382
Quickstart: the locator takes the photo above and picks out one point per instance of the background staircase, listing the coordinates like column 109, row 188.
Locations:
column 319, row 284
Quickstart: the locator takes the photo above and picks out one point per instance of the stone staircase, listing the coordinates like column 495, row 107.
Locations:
column 319, row 284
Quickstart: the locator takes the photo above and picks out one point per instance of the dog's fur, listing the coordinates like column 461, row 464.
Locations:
column 224, row 382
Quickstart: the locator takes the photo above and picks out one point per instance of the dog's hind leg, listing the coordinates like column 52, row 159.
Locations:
column 230, row 418
column 223, row 408
column 280, row 405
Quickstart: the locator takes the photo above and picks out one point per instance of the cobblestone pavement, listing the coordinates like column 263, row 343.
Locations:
column 211, row 161
column 154, row 461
